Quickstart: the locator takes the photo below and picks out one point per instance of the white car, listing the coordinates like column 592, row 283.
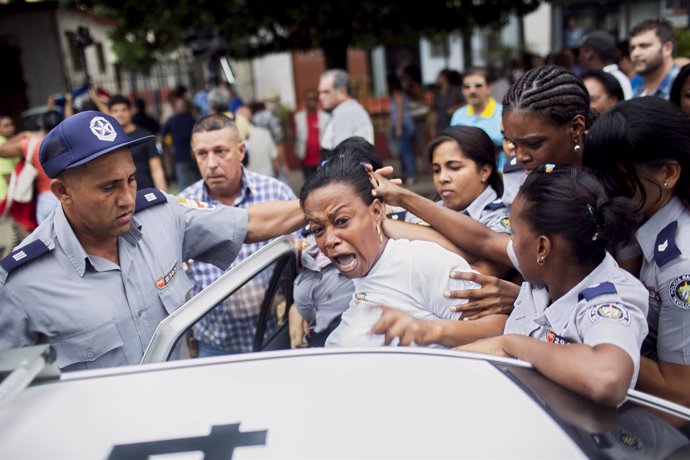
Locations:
column 317, row 403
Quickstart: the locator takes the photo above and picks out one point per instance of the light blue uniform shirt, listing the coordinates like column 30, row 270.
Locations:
column 608, row 306
column 666, row 274
column 94, row 312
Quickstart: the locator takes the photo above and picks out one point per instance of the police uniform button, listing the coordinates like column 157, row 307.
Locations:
column 139, row 313
column 89, row 354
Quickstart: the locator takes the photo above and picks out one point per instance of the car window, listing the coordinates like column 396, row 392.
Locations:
column 630, row 431
column 258, row 308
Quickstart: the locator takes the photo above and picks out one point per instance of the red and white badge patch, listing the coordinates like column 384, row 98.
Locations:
column 164, row 280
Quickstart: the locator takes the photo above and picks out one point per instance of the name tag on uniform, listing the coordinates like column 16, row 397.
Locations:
column 167, row 278
column 552, row 337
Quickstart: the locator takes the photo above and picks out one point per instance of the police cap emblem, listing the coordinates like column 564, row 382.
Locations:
column 102, row 129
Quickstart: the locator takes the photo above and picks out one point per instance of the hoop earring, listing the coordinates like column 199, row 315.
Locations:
column 378, row 230
column 541, row 260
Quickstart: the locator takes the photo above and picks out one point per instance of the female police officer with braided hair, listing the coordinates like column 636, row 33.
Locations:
column 579, row 318
column 641, row 149
column 545, row 116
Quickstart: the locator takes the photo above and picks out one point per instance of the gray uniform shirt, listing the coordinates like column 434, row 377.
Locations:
column 513, row 177
column 665, row 244
column 487, row 209
column 608, row 306
column 94, row 312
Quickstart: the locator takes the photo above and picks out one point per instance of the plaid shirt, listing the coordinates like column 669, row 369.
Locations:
column 663, row 90
column 232, row 325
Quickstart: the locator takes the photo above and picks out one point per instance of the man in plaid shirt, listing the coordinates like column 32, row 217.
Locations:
column 218, row 151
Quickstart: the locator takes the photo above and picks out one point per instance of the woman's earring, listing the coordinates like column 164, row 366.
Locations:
column 665, row 184
column 577, row 147
column 541, row 260
column 378, row 230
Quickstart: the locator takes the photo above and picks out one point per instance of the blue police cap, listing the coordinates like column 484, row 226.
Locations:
column 82, row 138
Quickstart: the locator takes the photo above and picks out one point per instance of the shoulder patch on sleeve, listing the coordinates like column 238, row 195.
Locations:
column 494, row 205
column 595, row 291
column 24, row 255
column 191, row 203
column 609, row 311
column 149, row 197
column 679, row 290
column 512, row 165
column 665, row 248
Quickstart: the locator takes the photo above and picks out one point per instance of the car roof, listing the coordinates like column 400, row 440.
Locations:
column 314, row 403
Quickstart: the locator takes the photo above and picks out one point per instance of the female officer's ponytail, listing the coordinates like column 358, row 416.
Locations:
column 572, row 203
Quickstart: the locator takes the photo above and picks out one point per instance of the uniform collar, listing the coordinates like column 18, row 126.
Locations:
column 247, row 189
column 647, row 233
column 73, row 249
column 559, row 313
column 474, row 210
column 488, row 111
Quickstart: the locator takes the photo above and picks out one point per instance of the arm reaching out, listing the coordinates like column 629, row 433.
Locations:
column 463, row 231
column 272, row 219
column 449, row 333
column 602, row 373
column 496, row 296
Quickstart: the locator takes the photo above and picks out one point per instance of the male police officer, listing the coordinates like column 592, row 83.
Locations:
column 94, row 279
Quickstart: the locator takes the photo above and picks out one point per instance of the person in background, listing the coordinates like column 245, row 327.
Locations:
column 348, row 117
column 579, row 318
column 604, row 90
column 598, row 51
column 652, row 46
column 310, row 124
column 143, row 119
column 482, row 110
column 402, row 129
column 18, row 147
column 179, row 128
column 447, row 99
column 680, row 91
column 411, row 80
column 264, row 152
column 7, row 164
column 267, row 118
column 148, row 161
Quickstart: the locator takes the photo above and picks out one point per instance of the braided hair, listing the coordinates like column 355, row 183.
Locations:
column 557, row 92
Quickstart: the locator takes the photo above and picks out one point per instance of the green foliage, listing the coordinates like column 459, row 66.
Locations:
column 257, row 27
column 683, row 42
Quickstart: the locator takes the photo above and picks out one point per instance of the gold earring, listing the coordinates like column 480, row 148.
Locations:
column 541, row 260
column 378, row 230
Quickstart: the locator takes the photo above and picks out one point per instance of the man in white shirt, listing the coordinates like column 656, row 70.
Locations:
column 348, row 117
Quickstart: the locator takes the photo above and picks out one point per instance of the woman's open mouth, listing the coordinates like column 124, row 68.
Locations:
column 345, row 262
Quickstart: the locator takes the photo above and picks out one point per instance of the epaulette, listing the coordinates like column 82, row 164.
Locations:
column 595, row 291
column 494, row 205
column 149, row 197
column 24, row 255
column 512, row 165
column 665, row 248
column 397, row 215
